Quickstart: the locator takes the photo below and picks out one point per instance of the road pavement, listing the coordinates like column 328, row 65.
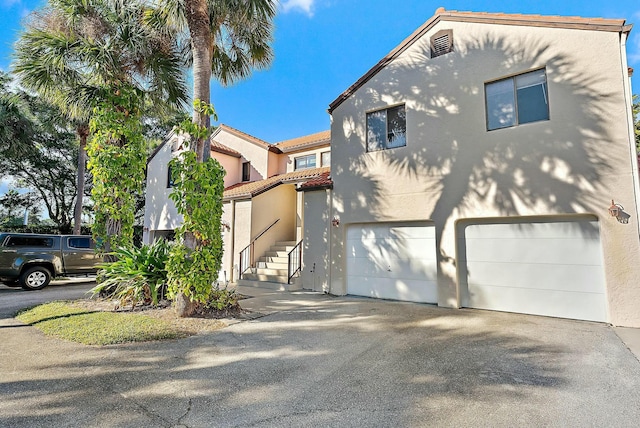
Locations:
column 309, row 359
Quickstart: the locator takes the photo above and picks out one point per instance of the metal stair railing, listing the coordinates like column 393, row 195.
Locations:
column 247, row 256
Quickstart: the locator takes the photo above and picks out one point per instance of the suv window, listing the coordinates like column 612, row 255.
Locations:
column 79, row 243
column 29, row 241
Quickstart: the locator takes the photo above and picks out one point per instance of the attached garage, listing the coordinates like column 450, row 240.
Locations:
column 392, row 261
column 543, row 266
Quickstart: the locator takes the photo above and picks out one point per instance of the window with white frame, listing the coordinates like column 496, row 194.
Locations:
column 517, row 100
column 325, row 159
column 386, row 129
column 304, row 162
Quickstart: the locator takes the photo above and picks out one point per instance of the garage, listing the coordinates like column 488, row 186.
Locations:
column 544, row 267
column 392, row 261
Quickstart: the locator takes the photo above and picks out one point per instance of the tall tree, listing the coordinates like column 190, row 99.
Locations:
column 41, row 156
column 226, row 40
column 80, row 54
column 71, row 49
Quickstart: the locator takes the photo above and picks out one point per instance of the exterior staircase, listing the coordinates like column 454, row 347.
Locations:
column 272, row 269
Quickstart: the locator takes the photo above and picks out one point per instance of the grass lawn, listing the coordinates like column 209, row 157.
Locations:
column 66, row 320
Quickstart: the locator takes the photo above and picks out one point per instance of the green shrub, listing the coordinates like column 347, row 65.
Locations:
column 137, row 275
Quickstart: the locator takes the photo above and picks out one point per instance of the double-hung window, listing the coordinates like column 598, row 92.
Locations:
column 386, row 129
column 305, row 162
column 517, row 100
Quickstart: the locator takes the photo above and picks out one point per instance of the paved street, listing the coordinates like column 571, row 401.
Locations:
column 317, row 360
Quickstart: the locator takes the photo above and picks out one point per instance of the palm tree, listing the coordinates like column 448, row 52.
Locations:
column 71, row 49
column 226, row 39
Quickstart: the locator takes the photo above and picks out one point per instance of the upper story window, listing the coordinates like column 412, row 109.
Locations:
column 325, row 159
column 246, row 171
column 441, row 43
column 517, row 100
column 386, row 129
column 170, row 181
column 304, row 162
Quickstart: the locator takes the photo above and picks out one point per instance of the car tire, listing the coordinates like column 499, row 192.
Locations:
column 14, row 283
column 35, row 278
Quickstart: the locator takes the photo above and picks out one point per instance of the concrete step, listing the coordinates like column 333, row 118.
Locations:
column 269, row 259
column 271, row 265
column 270, row 285
column 287, row 243
column 268, row 271
column 261, row 277
column 277, row 253
column 286, row 248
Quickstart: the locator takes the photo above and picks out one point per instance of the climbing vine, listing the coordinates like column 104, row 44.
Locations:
column 197, row 193
column 116, row 159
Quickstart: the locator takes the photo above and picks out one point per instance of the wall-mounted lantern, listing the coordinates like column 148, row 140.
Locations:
column 335, row 222
column 617, row 211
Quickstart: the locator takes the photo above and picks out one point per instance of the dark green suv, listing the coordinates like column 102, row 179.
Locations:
column 32, row 260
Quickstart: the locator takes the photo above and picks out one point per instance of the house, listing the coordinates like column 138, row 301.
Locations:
column 262, row 211
column 488, row 162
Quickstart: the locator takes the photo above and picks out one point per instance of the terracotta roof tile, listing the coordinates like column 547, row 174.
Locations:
column 322, row 181
column 221, row 148
column 254, row 188
column 317, row 139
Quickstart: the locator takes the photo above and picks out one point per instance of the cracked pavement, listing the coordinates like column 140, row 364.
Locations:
column 317, row 360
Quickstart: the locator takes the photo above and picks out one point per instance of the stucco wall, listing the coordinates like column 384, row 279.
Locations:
column 315, row 251
column 453, row 168
column 232, row 166
column 159, row 211
column 277, row 203
column 257, row 155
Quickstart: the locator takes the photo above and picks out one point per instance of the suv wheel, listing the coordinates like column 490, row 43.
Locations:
column 35, row 278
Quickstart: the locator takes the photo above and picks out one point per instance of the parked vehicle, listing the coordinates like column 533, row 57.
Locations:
column 32, row 260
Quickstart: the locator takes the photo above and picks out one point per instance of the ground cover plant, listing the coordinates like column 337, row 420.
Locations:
column 78, row 323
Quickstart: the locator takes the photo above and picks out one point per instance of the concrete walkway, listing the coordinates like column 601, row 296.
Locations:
column 317, row 360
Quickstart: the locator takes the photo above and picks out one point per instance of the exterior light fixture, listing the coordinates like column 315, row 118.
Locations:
column 335, row 222
column 617, row 211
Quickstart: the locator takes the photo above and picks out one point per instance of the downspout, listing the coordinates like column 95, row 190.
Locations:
column 330, row 234
column 233, row 241
column 630, row 124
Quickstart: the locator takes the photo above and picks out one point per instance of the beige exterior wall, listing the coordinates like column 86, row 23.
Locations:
column 277, row 203
column 257, row 155
column 317, row 223
column 453, row 168
column 232, row 166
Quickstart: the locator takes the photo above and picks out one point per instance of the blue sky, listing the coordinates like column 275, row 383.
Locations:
column 323, row 46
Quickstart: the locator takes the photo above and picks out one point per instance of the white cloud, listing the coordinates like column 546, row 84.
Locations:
column 305, row 6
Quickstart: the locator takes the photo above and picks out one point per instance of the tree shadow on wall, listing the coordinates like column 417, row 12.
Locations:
column 452, row 167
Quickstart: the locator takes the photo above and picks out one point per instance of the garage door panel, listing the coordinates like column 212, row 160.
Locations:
column 392, row 261
column 551, row 268
column 562, row 304
column 536, row 276
column 417, row 269
column 550, row 250
column 393, row 288
column 584, row 228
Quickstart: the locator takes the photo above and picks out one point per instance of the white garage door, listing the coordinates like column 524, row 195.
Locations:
column 392, row 261
column 542, row 268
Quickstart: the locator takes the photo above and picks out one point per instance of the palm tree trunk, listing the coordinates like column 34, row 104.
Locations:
column 83, row 133
column 197, row 15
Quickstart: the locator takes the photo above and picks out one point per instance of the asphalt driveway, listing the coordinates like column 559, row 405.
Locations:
column 316, row 360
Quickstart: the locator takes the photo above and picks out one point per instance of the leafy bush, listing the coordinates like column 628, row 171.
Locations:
column 137, row 275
